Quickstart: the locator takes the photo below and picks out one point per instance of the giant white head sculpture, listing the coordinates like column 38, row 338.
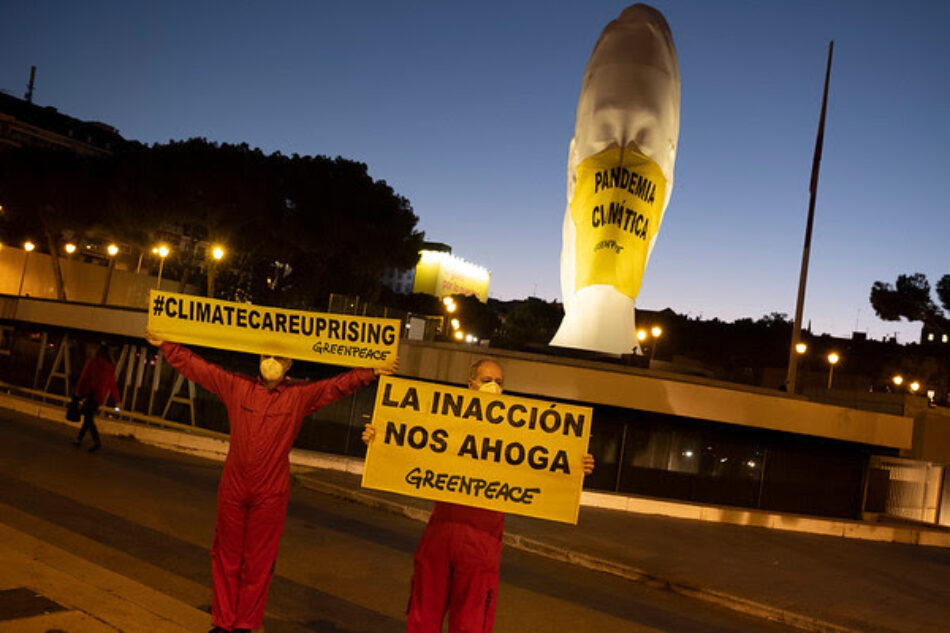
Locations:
column 619, row 179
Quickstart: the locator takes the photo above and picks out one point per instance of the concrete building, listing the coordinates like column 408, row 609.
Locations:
column 439, row 273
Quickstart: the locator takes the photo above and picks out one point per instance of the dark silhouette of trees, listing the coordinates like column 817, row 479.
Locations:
column 476, row 318
column 529, row 322
column 910, row 298
column 295, row 228
column 46, row 194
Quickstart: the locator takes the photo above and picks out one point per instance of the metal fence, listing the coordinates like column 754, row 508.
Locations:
column 913, row 489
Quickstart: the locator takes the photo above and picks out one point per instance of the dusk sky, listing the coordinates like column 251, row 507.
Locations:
column 467, row 110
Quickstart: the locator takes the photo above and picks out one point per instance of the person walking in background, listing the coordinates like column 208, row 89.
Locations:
column 96, row 383
column 264, row 415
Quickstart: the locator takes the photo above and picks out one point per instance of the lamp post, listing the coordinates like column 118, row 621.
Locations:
column 28, row 246
column 448, row 302
column 217, row 254
column 800, row 348
column 162, row 252
column 898, row 380
column 112, row 250
column 833, row 359
column 914, row 387
column 641, row 336
column 656, row 331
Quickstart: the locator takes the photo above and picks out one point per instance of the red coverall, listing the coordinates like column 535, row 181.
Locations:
column 255, row 483
column 456, row 570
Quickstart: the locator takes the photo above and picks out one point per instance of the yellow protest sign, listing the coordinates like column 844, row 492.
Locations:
column 339, row 339
column 616, row 209
column 498, row 452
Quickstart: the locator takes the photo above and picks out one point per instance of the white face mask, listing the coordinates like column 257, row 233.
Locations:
column 271, row 369
column 491, row 387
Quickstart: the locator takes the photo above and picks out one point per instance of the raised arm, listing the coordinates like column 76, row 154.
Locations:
column 323, row 392
column 193, row 367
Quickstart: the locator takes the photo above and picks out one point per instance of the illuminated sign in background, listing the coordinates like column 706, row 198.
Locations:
column 440, row 274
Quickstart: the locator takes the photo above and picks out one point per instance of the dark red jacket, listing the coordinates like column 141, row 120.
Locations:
column 98, row 377
column 264, row 422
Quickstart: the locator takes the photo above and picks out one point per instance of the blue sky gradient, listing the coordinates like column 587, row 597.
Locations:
column 467, row 109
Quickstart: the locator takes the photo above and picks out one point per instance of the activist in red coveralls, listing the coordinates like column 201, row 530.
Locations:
column 264, row 415
column 457, row 562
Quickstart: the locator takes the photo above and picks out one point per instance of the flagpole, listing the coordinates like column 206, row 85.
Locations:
column 792, row 375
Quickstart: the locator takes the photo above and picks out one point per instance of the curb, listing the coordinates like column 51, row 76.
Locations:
column 593, row 563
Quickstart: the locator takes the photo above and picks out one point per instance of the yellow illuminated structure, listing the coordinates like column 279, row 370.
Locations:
column 440, row 274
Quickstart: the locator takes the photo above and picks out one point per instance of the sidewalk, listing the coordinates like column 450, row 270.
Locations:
column 816, row 583
column 44, row 588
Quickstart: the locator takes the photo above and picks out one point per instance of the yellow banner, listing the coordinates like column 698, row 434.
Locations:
column 338, row 339
column 498, row 452
column 617, row 208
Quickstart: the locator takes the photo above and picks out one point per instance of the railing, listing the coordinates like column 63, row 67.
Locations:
column 913, row 488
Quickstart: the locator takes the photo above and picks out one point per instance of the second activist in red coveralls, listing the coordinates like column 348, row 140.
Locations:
column 456, row 566
column 264, row 415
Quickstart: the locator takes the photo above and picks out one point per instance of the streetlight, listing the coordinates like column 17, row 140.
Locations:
column 217, row 254
column 459, row 335
column 833, row 359
column 898, row 380
column 915, row 386
column 656, row 331
column 162, row 252
column 28, row 246
column 112, row 250
column 801, row 348
column 70, row 248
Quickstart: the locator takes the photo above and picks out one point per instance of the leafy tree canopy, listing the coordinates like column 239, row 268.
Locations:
column 295, row 228
column 910, row 298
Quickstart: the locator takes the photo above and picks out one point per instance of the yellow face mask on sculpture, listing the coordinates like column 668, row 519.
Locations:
column 616, row 209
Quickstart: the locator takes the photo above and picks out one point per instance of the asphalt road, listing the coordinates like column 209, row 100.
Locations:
column 148, row 514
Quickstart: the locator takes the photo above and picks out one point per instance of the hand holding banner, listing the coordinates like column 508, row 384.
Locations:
column 339, row 339
column 498, row 452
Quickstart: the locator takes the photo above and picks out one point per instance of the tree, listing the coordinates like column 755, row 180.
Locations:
column 475, row 318
column 338, row 230
column 910, row 298
column 532, row 321
column 296, row 228
column 48, row 193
